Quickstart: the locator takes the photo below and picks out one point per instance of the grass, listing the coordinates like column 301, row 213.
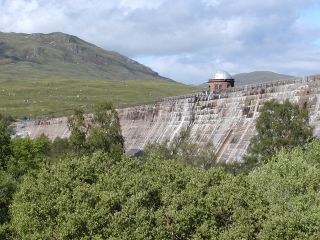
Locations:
column 64, row 56
column 46, row 75
column 58, row 97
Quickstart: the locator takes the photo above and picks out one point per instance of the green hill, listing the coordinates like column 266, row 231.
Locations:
column 258, row 77
column 51, row 74
column 55, row 97
column 35, row 56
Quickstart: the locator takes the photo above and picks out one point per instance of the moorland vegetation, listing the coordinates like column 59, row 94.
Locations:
column 46, row 75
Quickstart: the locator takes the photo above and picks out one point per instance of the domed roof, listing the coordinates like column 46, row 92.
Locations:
column 222, row 75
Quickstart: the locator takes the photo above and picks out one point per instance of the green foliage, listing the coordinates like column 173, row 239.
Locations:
column 60, row 147
column 289, row 188
column 161, row 151
column 99, row 132
column 279, row 125
column 183, row 151
column 18, row 157
column 78, row 131
column 28, row 155
column 87, row 198
column 7, row 188
column 5, row 150
column 105, row 132
column 197, row 156
column 6, row 120
column 5, row 140
column 61, row 200
column 99, row 198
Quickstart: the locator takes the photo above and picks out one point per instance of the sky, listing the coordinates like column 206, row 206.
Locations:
column 186, row 40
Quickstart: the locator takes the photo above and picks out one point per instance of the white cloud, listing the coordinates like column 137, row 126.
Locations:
column 186, row 39
column 137, row 4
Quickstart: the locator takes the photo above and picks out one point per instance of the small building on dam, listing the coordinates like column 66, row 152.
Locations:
column 220, row 81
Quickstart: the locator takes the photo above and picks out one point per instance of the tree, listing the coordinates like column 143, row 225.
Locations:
column 181, row 150
column 60, row 146
column 27, row 155
column 198, row 156
column 279, row 126
column 5, row 150
column 5, row 140
column 288, row 186
column 7, row 120
column 78, row 129
column 62, row 200
column 101, row 132
column 105, row 131
column 7, row 188
column 97, row 197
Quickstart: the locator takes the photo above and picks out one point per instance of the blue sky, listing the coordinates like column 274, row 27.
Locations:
column 312, row 15
column 186, row 40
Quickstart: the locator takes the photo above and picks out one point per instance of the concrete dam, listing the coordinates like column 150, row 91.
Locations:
column 225, row 118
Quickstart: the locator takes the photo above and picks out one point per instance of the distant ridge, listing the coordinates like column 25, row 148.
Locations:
column 255, row 78
column 258, row 77
column 59, row 55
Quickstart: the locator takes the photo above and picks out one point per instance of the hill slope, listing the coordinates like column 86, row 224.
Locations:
column 257, row 77
column 48, row 98
column 52, row 74
column 36, row 56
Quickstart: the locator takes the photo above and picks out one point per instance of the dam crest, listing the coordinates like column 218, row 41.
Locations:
column 225, row 118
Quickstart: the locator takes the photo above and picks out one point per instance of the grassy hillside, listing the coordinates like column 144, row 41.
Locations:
column 37, row 56
column 51, row 74
column 257, row 77
column 54, row 97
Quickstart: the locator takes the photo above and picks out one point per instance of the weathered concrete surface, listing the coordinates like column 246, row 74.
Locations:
column 53, row 128
column 227, row 119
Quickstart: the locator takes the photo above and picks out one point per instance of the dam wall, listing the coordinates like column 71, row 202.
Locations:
column 227, row 119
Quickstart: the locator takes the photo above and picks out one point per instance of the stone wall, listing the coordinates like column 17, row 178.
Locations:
column 227, row 118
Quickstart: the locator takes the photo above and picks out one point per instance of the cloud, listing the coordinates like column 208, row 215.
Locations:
column 191, row 69
column 183, row 39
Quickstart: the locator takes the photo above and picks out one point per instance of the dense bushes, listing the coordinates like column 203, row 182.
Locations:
column 5, row 150
column 98, row 198
column 182, row 151
column 289, row 188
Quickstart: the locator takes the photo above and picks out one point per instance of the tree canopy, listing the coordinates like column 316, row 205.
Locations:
column 5, row 140
column 99, row 131
column 183, row 151
column 279, row 126
column 99, row 198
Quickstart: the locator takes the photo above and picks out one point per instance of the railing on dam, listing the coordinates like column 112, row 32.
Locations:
column 245, row 88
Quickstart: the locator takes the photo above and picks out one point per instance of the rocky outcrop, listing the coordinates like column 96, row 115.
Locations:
column 227, row 118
